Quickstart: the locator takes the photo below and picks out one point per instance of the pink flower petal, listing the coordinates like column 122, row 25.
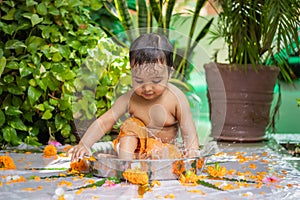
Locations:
column 109, row 183
column 271, row 179
column 54, row 143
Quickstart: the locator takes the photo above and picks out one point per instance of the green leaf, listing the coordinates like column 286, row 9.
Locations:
column 17, row 123
column 101, row 91
column 33, row 141
column 99, row 183
column 74, row 3
column 96, row 5
column 53, row 102
column 33, row 131
column 42, row 84
column 30, row 3
column 10, row 15
column 125, row 18
column 6, row 102
column 34, row 43
column 51, row 82
column 2, row 118
column 59, row 122
column 42, row 8
column 14, row 44
column 2, row 64
column 75, row 44
column 66, row 130
column 35, row 19
column 64, row 51
column 10, row 136
column 60, row 3
column 10, row 29
column 17, row 101
column 40, row 107
column 32, row 82
column 47, row 115
column 142, row 16
column 56, row 57
column 48, row 106
column 8, row 79
column 207, row 184
column 34, row 94
column 28, row 116
column 25, row 71
column 64, row 105
column 53, row 10
column 12, row 65
column 14, row 89
column 12, row 110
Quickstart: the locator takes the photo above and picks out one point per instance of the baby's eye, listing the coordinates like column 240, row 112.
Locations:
column 156, row 81
column 138, row 81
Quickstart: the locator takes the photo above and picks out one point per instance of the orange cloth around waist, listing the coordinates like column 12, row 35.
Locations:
column 148, row 147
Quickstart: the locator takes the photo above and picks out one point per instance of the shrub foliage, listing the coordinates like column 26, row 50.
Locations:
column 43, row 45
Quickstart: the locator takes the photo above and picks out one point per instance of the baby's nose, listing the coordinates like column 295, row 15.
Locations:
column 147, row 86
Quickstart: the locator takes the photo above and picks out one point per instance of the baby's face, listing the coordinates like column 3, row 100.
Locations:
column 150, row 80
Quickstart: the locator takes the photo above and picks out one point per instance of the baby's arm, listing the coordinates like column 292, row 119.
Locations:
column 186, row 121
column 99, row 127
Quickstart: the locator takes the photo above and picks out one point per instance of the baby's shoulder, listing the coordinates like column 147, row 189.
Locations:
column 175, row 90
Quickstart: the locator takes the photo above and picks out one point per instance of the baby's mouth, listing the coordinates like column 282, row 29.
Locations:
column 148, row 94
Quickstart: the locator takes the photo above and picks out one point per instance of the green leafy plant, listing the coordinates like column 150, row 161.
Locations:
column 43, row 46
column 103, row 76
column 260, row 32
column 124, row 20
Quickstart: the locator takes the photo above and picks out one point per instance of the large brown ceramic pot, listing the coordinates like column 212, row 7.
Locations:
column 240, row 101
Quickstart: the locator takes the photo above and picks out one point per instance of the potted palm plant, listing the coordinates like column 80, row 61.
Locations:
column 240, row 91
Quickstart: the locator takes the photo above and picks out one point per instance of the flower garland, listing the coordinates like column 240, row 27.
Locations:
column 7, row 162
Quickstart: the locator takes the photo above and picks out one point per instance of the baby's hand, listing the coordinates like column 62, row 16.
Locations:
column 79, row 151
column 191, row 153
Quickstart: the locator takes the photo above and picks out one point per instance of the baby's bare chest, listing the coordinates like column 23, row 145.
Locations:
column 157, row 115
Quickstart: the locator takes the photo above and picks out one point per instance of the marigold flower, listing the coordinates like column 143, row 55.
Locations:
column 171, row 196
column 79, row 166
column 197, row 192
column 228, row 187
column 178, row 167
column 37, row 178
column 136, row 176
column 50, row 150
column 231, row 172
column 252, row 166
column 78, row 192
column 7, row 162
column 155, row 182
column 200, row 163
column 247, row 194
column 264, row 154
column 217, row 170
column 64, row 182
column 188, row 178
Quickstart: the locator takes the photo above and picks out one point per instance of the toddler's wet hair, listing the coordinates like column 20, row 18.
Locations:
column 151, row 48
